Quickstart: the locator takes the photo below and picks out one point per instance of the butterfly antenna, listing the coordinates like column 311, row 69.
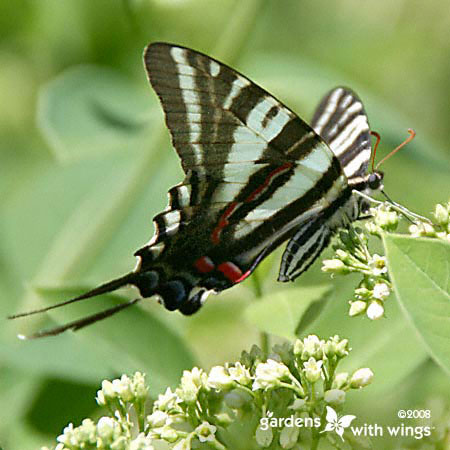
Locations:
column 412, row 135
column 102, row 289
column 378, row 139
column 80, row 323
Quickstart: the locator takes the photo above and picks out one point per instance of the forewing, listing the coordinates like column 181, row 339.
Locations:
column 245, row 153
column 341, row 121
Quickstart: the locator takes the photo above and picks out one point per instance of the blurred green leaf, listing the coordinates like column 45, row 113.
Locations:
column 426, row 301
column 280, row 313
column 88, row 110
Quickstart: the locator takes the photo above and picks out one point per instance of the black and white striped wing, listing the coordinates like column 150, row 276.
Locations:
column 254, row 172
column 248, row 159
column 342, row 123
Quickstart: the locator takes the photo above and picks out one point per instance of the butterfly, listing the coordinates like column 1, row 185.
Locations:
column 256, row 175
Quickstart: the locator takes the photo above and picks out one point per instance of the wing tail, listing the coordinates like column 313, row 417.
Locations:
column 102, row 289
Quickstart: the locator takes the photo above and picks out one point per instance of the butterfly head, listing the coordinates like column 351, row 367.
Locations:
column 375, row 180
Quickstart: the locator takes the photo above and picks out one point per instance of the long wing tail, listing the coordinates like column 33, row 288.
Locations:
column 130, row 278
column 102, row 289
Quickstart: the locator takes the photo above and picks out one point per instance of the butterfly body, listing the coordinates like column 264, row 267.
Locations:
column 256, row 175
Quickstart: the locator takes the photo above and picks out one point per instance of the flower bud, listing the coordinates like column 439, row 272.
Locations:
column 289, row 437
column 158, row 419
column 381, row 291
column 334, row 397
column 298, row 347
column 263, row 437
column 168, row 434
column 357, row 307
column 441, row 214
column 140, row 390
column 361, row 378
column 106, row 427
column 334, row 266
column 340, row 380
column 269, row 374
column 240, row 374
column 342, row 348
column 219, row 379
column 375, row 310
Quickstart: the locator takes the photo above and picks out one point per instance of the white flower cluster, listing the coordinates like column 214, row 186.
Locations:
column 353, row 256
column 108, row 433
column 205, row 406
column 125, row 389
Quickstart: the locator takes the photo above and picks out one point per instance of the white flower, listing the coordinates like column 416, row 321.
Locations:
column 106, row 428
column 240, row 374
column 375, row 310
column 205, row 432
column 337, row 424
column 334, row 396
column 312, row 346
column 381, row 291
column 158, row 419
column 312, row 369
column 191, row 382
column 123, row 388
column 357, row 307
column 378, row 265
column 167, row 401
column 218, row 378
column 108, row 390
column 269, row 374
column 361, row 378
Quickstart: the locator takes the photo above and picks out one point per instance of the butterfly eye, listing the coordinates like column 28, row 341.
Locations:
column 374, row 180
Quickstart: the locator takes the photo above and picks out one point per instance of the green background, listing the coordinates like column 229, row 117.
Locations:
column 85, row 163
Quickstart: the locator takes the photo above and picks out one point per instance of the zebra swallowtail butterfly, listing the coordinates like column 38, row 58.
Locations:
column 256, row 176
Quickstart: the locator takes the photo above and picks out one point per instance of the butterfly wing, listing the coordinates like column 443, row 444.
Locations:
column 254, row 171
column 341, row 121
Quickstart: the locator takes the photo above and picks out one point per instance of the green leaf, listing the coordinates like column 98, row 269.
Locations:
column 132, row 340
column 89, row 109
column 420, row 271
column 280, row 313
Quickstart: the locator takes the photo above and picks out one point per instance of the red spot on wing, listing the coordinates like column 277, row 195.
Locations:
column 231, row 271
column 204, row 264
